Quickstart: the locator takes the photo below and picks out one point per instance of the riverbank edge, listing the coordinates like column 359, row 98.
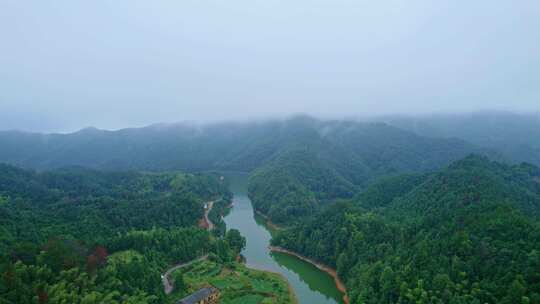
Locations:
column 268, row 221
column 294, row 299
column 332, row 272
column 292, row 294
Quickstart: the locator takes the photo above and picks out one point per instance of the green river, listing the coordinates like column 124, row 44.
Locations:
column 310, row 285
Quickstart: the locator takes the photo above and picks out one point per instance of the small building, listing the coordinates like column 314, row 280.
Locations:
column 207, row 295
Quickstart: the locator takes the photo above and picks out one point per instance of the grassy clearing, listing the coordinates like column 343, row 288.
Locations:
column 237, row 283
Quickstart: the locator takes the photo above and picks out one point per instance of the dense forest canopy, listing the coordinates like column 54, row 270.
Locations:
column 82, row 236
column 67, row 201
column 339, row 161
column 466, row 234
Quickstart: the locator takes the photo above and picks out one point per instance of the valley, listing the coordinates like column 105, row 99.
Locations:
column 270, row 152
column 324, row 212
column 309, row 284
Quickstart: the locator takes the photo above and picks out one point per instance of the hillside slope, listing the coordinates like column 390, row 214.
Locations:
column 515, row 136
column 82, row 236
column 297, row 164
column 342, row 158
column 466, row 234
column 224, row 146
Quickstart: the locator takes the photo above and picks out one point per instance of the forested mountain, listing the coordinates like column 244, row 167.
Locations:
column 516, row 136
column 245, row 146
column 469, row 233
column 297, row 164
column 340, row 159
column 224, row 146
column 403, row 217
column 82, row 236
column 159, row 147
column 231, row 146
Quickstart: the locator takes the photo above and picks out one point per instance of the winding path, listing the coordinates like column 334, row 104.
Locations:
column 166, row 277
column 206, row 212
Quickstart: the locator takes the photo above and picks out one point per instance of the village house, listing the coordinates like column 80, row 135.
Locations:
column 207, row 295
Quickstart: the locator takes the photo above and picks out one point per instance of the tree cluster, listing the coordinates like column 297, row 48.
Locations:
column 466, row 234
column 82, row 236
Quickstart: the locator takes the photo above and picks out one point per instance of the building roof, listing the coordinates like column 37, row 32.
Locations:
column 198, row 295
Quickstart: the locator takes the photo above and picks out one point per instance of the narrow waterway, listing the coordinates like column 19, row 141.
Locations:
column 311, row 285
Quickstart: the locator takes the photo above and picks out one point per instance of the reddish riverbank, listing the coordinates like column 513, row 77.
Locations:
column 268, row 221
column 205, row 221
column 332, row 272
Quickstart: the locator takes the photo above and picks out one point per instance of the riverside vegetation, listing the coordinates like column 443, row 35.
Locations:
column 466, row 234
column 83, row 236
column 237, row 283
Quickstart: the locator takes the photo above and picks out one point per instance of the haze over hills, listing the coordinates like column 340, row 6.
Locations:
column 270, row 152
column 404, row 216
column 516, row 136
column 226, row 146
column 314, row 161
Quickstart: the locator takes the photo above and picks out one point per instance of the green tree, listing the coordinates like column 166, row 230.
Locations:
column 179, row 282
column 235, row 240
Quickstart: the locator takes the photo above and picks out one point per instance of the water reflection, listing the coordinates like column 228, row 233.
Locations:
column 311, row 285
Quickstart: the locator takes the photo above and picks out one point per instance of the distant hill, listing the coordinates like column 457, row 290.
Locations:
column 469, row 233
column 165, row 147
column 335, row 159
column 296, row 164
column 224, row 146
column 516, row 136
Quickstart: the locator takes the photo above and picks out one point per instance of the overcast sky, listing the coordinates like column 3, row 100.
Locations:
column 110, row 64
